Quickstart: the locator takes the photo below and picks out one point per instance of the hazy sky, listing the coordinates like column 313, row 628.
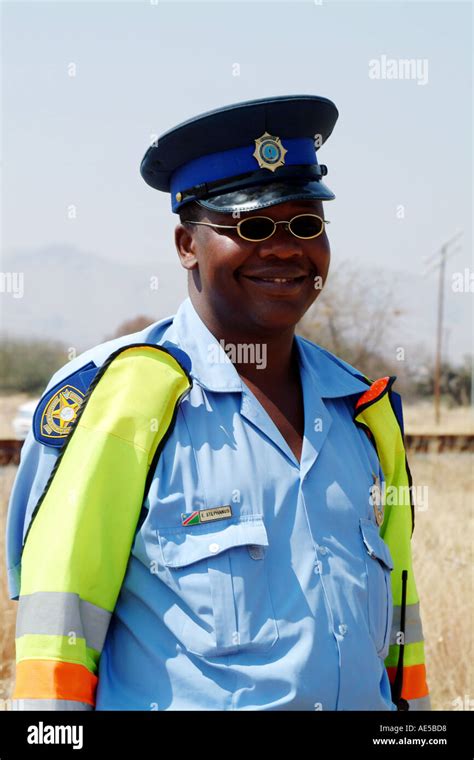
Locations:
column 399, row 159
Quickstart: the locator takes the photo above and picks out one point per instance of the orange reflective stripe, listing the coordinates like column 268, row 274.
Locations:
column 414, row 681
column 375, row 390
column 52, row 679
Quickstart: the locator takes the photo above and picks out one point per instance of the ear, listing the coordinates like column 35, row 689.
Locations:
column 185, row 246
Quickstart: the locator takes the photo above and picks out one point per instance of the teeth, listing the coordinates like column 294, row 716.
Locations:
column 277, row 279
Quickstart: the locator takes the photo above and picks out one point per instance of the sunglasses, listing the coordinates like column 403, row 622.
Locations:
column 258, row 228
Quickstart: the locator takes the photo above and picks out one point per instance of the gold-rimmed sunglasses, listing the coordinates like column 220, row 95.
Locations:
column 258, row 228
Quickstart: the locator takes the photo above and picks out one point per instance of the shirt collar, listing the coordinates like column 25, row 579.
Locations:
column 333, row 377
column 212, row 368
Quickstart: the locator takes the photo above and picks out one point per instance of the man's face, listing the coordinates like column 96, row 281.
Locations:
column 227, row 283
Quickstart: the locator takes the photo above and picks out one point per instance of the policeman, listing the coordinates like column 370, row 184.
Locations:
column 194, row 524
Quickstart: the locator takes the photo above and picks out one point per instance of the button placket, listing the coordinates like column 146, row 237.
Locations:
column 320, row 551
column 318, row 566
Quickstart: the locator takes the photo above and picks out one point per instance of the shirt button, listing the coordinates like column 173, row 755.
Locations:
column 317, row 567
column 322, row 550
column 255, row 551
column 214, row 548
column 343, row 629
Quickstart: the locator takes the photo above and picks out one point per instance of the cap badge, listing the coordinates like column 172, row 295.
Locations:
column 269, row 152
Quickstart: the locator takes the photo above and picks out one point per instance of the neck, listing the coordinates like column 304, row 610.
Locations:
column 265, row 359
column 278, row 362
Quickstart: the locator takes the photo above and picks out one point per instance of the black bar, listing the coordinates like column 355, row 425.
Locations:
column 290, row 734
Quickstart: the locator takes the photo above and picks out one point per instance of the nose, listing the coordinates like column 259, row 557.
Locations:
column 282, row 244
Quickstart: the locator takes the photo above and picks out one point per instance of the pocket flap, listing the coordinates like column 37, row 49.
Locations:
column 374, row 543
column 187, row 545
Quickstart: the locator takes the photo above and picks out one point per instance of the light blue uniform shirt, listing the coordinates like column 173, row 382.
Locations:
column 283, row 605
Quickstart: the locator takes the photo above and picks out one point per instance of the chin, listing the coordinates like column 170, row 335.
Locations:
column 279, row 317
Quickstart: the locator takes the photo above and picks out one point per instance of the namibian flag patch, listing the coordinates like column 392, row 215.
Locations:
column 206, row 515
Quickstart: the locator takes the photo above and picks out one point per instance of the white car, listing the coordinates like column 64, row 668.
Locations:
column 24, row 418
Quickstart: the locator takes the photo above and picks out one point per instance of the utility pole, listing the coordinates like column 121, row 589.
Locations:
column 439, row 333
column 443, row 253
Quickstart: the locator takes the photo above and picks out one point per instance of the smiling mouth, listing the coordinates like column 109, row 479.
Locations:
column 279, row 287
column 277, row 283
column 278, row 279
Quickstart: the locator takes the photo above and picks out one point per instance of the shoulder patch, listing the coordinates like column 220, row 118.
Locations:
column 58, row 408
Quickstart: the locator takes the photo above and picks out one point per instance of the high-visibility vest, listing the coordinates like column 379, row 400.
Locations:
column 378, row 411
column 73, row 568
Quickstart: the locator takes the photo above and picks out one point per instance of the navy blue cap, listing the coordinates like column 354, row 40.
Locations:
column 245, row 156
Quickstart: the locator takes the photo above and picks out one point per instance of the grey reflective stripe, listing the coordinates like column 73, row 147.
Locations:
column 59, row 613
column 49, row 704
column 413, row 627
column 422, row 703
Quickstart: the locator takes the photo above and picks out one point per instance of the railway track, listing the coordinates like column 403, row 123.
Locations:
column 428, row 443
column 439, row 442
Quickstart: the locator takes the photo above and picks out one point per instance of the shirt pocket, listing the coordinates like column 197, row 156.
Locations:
column 379, row 566
column 220, row 576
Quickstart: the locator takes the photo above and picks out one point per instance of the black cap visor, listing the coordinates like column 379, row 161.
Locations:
column 262, row 196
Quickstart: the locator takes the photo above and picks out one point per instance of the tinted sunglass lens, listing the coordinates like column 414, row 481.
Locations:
column 256, row 228
column 306, row 226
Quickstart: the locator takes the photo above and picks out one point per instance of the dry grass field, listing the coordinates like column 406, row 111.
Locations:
column 419, row 418
column 7, row 607
column 442, row 549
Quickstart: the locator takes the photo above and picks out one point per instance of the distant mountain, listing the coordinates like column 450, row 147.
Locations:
column 80, row 298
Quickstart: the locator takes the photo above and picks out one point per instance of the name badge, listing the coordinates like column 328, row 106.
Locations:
column 206, row 515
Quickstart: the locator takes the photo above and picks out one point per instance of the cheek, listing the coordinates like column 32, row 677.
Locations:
column 218, row 263
column 321, row 257
column 325, row 264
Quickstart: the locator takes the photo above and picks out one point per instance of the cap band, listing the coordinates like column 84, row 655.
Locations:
column 236, row 161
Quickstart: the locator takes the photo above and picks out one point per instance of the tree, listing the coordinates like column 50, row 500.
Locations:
column 355, row 316
column 27, row 365
column 131, row 325
column 456, row 382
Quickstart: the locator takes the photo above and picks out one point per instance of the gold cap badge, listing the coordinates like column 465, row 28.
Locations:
column 269, row 152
